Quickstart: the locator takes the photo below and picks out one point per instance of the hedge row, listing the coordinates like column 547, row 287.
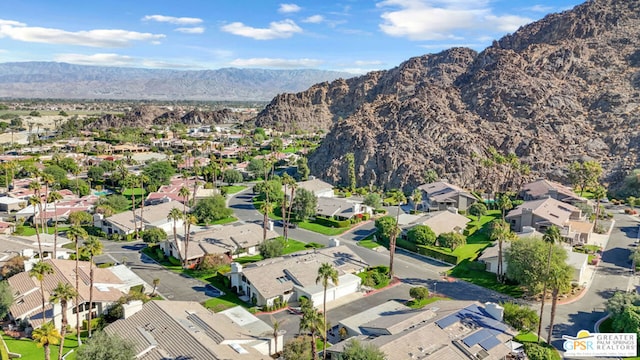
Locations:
column 470, row 230
column 448, row 258
column 332, row 223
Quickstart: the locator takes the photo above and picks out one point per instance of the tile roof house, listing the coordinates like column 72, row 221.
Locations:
column 232, row 240
column 541, row 214
column 164, row 330
column 441, row 196
column 318, row 187
column 293, row 276
column 542, row 189
column 27, row 305
column 450, row 330
column 153, row 216
column 439, row 221
column 170, row 192
column 343, row 209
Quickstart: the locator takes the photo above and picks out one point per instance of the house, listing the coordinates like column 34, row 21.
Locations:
column 9, row 204
column 441, row 196
column 342, row 209
column 577, row 261
column 187, row 330
column 233, row 240
column 543, row 213
column 542, row 189
column 318, row 187
column 152, row 216
column 452, row 330
column 439, row 221
column 290, row 277
column 7, row 228
column 171, row 192
column 27, row 305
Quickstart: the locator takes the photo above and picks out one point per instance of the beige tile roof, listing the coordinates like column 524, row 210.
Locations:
column 554, row 211
column 301, row 268
column 541, row 188
column 445, row 221
column 222, row 239
column 153, row 215
column 185, row 329
column 315, row 186
column 441, row 191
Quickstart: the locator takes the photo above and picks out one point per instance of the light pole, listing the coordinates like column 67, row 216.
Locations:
column 434, row 287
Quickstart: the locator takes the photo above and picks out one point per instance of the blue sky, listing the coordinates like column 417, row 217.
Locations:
column 346, row 35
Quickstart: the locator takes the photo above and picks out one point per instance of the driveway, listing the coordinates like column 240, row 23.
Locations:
column 172, row 286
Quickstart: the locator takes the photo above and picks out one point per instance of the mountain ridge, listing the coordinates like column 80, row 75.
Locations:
column 42, row 79
column 562, row 89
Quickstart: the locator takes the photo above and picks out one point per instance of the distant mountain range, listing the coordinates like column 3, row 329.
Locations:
column 68, row 81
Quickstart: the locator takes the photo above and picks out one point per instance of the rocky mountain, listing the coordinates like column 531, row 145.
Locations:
column 67, row 81
column 148, row 115
column 562, row 89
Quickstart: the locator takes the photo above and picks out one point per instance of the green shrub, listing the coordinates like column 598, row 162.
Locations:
column 419, row 293
column 448, row 258
column 175, row 262
column 470, row 230
column 332, row 223
column 538, row 352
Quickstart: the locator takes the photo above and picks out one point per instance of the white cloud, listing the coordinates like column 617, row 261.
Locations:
column 173, row 19
column 96, row 59
column 276, row 63
column 443, row 19
column 289, row 8
column 109, row 38
column 190, row 30
column 367, row 62
column 276, row 30
column 540, row 8
column 314, row 19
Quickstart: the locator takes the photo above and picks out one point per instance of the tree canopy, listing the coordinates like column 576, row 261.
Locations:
column 272, row 187
column 304, row 204
column 527, row 262
column 451, row 240
column 102, row 346
column 6, row 298
column 211, row 209
column 271, row 248
column 373, row 199
column 421, row 235
column 385, row 226
column 355, row 350
column 160, row 172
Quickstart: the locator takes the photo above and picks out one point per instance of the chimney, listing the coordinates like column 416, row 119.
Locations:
column 496, row 311
column 131, row 308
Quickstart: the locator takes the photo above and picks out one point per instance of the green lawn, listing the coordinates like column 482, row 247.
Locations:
column 368, row 243
column 487, row 218
column 232, row 189
column 226, row 220
column 474, row 273
column 136, row 192
column 424, row 302
column 29, row 351
column 292, row 246
column 28, row 230
column 321, row 229
column 526, row 337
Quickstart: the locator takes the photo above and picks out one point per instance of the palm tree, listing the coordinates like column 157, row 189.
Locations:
column 276, row 331
column 293, row 186
column 416, row 197
column 175, row 214
column 39, row 271
column 75, row 233
column 599, row 193
column 144, row 179
column 551, row 236
column 188, row 221
column 46, row 335
column 501, row 232
column 326, row 273
column 63, row 293
column 92, row 247
column 560, row 282
column 312, row 323
column 504, row 203
column 131, row 182
column 54, row 197
column 155, row 282
column 398, row 197
column 266, row 207
column 35, row 202
column 48, row 180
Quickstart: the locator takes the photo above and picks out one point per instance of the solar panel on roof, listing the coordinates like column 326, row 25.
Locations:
column 447, row 321
column 476, row 337
column 490, row 343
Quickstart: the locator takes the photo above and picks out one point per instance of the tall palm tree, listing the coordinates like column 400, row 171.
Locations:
column 266, row 207
column 293, row 185
column 416, row 198
column 131, row 182
column 54, row 197
column 551, row 236
column 188, row 221
column 63, row 293
column 92, row 247
column 276, row 331
column 312, row 323
column 326, row 273
column 501, row 232
column 39, row 271
column 175, row 214
column 143, row 179
column 599, row 193
column 46, row 335
column 75, row 233
column 398, row 197
column 560, row 282
column 504, row 203
column 47, row 180
column 35, row 202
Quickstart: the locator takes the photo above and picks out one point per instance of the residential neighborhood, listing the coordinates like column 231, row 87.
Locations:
column 193, row 252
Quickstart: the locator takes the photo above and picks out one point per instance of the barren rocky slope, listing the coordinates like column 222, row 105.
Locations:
column 558, row 90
